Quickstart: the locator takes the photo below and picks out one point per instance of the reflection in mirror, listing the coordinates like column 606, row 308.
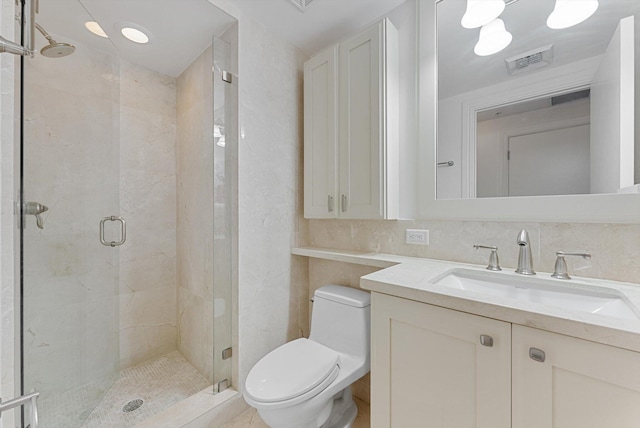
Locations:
column 552, row 113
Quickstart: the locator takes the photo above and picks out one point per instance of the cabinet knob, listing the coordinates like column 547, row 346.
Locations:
column 537, row 355
column 344, row 203
column 330, row 203
column 486, row 340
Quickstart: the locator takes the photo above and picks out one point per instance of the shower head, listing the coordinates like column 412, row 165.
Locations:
column 54, row 49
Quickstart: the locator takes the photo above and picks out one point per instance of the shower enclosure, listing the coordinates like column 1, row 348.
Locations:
column 127, row 183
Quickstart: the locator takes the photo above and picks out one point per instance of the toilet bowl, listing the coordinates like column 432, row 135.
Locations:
column 306, row 383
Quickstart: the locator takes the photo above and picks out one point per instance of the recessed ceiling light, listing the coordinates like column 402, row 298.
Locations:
column 135, row 35
column 95, row 28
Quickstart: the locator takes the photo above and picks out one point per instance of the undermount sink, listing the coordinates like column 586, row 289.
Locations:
column 570, row 296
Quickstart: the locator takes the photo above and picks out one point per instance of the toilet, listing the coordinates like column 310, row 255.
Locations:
column 306, row 383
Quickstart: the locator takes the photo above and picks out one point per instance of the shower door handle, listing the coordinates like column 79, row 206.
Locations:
column 123, row 231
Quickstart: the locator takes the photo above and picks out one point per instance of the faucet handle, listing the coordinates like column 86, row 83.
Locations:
column 494, row 263
column 560, row 270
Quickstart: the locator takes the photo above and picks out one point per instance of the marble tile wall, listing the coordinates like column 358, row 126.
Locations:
column 615, row 249
column 272, row 284
column 194, row 156
column 147, row 282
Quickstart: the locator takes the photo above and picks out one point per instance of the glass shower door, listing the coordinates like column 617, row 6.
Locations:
column 225, row 95
column 70, row 159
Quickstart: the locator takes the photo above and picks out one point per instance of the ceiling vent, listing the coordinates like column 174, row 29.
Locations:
column 530, row 60
column 301, row 4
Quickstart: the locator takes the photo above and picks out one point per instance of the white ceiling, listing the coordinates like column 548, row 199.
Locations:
column 182, row 29
column 526, row 20
column 323, row 22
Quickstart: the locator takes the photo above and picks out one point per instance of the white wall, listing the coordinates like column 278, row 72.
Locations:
column 491, row 135
column 404, row 18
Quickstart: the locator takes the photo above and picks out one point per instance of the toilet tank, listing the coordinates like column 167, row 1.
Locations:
column 341, row 319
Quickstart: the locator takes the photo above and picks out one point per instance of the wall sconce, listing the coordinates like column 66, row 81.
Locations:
column 494, row 37
column 568, row 13
column 481, row 12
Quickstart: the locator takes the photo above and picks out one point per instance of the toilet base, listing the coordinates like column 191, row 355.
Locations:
column 344, row 411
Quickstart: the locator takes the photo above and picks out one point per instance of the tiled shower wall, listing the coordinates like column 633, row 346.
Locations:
column 194, row 155
column 147, row 280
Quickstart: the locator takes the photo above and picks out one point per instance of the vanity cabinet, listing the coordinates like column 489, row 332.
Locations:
column 580, row 384
column 351, row 113
column 430, row 369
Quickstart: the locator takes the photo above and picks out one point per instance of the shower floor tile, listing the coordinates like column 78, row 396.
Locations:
column 160, row 383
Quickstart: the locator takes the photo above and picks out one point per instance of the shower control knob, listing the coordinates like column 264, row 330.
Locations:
column 35, row 209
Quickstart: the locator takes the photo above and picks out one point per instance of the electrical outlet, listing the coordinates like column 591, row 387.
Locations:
column 417, row 236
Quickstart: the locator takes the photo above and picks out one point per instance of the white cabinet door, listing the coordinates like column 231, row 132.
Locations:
column 580, row 384
column 368, row 137
column 320, row 135
column 430, row 370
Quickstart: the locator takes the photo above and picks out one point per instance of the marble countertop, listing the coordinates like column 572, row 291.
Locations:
column 413, row 278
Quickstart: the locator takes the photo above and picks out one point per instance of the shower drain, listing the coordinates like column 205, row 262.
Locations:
column 132, row 405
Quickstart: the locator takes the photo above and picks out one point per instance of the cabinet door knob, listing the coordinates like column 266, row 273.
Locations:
column 537, row 355
column 330, row 203
column 486, row 340
column 344, row 203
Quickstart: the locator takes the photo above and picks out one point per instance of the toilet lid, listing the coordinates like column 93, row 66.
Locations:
column 291, row 370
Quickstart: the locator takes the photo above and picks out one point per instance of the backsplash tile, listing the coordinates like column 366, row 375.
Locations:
column 615, row 247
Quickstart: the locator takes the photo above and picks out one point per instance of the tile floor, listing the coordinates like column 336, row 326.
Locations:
column 251, row 419
column 161, row 383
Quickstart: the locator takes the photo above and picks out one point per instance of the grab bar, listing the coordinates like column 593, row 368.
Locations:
column 21, row 401
column 447, row 163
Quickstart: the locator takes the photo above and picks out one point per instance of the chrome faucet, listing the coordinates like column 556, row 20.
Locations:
column 494, row 262
column 525, row 262
column 560, row 271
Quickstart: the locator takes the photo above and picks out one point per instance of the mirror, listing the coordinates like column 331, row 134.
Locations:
column 554, row 113
column 598, row 208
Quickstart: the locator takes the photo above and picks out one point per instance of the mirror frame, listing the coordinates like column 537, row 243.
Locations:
column 599, row 208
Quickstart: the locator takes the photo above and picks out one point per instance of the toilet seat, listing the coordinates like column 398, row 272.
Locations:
column 292, row 373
